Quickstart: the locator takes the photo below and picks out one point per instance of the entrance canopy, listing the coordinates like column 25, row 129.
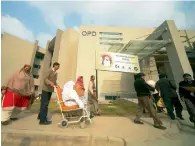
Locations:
column 141, row 48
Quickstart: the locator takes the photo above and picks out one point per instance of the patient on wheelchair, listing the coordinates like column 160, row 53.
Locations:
column 73, row 94
column 70, row 95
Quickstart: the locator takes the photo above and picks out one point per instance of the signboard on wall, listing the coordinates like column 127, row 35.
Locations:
column 117, row 62
column 88, row 33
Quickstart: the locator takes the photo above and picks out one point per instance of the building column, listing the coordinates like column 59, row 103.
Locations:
column 153, row 69
column 169, row 71
column 176, row 52
column 149, row 68
column 57, row 46
column 141, row 65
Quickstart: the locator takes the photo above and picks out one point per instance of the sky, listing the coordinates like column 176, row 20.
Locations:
column 39, row 20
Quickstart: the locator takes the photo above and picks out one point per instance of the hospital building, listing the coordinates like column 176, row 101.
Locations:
column 163, row 49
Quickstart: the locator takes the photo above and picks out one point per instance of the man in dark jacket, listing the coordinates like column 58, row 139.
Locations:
column 188, row 96
column 145, row 101
column 168, row 93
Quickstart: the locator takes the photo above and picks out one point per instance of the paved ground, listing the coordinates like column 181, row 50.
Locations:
column 104, row 131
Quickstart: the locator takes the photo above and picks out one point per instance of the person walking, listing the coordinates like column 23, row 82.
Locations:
column 17, row 93
column 80, row 89
column 170, row 97
column 144, row 101
column 92, row 97
column 50, row 79
column 189, row 97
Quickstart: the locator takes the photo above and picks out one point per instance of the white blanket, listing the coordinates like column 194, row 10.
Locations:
column 152, row 84
column 70, row 96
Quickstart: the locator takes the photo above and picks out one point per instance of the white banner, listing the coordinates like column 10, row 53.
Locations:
column 117, row 62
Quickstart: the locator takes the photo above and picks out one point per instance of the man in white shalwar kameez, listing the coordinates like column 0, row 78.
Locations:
column 70, row 96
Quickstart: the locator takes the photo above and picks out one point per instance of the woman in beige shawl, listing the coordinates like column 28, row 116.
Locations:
column 16, row 94
column 92, row 98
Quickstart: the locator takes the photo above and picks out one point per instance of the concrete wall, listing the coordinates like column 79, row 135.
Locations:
column 12, row 55
column 107, row 81
column 68, row 56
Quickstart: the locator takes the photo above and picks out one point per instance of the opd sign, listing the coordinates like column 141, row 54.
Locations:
column 88, row 33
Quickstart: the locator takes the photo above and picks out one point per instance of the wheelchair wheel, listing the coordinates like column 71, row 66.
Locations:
column 64, row 123
column 82, row 125
column 88, row 121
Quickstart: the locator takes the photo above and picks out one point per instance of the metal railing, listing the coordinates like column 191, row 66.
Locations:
column 119, row 94
column 126, row 94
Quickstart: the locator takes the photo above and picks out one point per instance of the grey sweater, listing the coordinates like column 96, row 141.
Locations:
column 49, row 76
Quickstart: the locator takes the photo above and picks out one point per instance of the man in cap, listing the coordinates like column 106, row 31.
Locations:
column 187, row 95
column 144, row 101
column 170, row 97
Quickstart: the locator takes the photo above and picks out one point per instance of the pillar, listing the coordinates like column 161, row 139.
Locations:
column 175, row 50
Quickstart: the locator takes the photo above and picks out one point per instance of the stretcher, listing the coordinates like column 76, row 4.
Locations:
column 68, row 112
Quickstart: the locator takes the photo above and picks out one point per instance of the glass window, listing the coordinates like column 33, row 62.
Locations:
column 111, row 44
column 35, row 76
column 104, row 38
column 36, row 66
column 110, row 33
column 39, row 56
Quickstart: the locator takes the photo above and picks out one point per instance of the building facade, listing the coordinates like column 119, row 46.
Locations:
column 76, row 53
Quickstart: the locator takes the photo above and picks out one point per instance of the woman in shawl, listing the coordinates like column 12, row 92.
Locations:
column 92, row 98
column 79, row 86
column 16, row 94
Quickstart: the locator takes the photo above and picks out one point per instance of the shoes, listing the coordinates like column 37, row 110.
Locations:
column 97, row 114
column 13, row 119
column 172, row 118
column 160, row 127
column 38, row 118
column 45, row 123
column 138, row 122
column 8, row 122
column 5, row 123
column 159, row 111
